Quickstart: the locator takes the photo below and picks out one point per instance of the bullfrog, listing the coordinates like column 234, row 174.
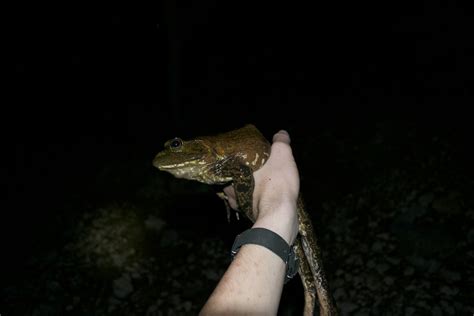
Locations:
column 231, row 158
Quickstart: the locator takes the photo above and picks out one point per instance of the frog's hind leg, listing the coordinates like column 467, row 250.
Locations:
column 243, row 185
column 306, row 278
column 313, row 255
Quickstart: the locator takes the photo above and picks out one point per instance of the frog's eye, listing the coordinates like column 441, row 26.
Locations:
column 176, row 143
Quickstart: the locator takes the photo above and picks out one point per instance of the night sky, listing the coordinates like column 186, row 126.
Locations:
column 94, row 86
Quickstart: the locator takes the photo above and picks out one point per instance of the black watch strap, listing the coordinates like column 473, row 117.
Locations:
column 272, row 241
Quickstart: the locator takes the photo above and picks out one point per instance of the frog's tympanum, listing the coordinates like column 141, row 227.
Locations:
column 232, row 157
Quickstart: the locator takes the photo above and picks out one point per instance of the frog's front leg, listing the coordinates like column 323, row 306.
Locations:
column 225, row 198
column 243, row 183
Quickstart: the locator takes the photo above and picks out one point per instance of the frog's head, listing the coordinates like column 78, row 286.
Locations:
column 186, row 159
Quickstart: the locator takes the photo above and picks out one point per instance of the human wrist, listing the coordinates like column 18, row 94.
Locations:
column 281, row 220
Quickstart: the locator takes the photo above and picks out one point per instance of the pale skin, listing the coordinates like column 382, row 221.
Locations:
column 253, row 283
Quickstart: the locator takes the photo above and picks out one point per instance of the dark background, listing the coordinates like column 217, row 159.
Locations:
column 92, row 87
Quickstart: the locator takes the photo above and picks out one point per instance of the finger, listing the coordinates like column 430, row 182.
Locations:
column 281, row 144
column 282, row 136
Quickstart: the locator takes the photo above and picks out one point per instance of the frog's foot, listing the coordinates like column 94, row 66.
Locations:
column 224, row 198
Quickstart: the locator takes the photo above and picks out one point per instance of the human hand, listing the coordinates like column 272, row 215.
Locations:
column 276, row 190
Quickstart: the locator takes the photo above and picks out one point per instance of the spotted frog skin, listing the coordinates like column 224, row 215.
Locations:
column 232, row 157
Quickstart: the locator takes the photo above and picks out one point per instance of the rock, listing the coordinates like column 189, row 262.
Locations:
column 450, row 276
column 339, row 294
column 136, row 275
column 187, row 306
column 470, row 235
column 447, row 307
column 357, row 281
column 449, row 204
column 389, row 280
column 415, row 212
column 371, row 264
column 191, row 258
column 362, row 312
column 423, row 304
column 169, row 238
column 377, row 246
column 175, row 299
column 448, row 290
column 355, row 260
column 45, row 310
column 347, row 307
column 382, row 268
column 364, row 248
column 433, row 265
column 411, row 196
column 151, row 310
column 122, row 287
column 373, row 283
column 411, row 287
column 383, row 236
column 409, row 311
column 113, row 303
column 211, row 275
column 154, row 224
column 53, row 286
column 408, row 271
column 392, row 260
column 338, row 282
column 436, row 311
column 418, row 262
column 426, row 199
column 118, row 260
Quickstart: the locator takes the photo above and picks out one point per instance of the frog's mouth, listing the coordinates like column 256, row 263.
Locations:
column 185, row 171
column 186, row 164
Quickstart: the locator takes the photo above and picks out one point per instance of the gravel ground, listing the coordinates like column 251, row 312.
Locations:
column 401, row 243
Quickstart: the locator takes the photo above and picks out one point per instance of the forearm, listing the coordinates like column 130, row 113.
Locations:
column 252, row 284
column 254, row 281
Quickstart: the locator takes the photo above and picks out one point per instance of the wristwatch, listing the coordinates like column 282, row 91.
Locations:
column 272, row 241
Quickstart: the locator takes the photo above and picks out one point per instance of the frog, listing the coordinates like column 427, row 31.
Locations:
column 231, row 158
